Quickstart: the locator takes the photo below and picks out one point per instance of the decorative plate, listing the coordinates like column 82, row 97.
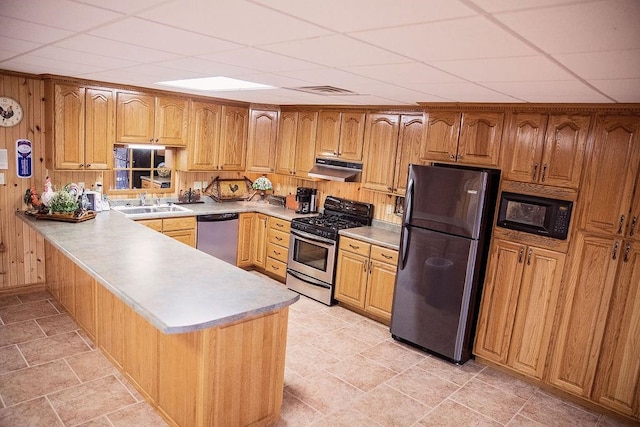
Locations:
column 10, row 112
column 227, row 190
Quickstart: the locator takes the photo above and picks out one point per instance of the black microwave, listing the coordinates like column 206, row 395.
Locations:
column 533, row 214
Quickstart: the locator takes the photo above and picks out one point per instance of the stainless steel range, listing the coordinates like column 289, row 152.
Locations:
column 313, row 248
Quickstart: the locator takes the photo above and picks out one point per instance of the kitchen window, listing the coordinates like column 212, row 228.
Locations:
column 141, row 168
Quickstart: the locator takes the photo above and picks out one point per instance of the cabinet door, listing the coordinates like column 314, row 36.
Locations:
column 171, row 121
column 351, row 136
column 135, row 118
column 480, row 138
column 85, row 301
column 245, row 237
column 523, row 152
column 328, row 136
column 233, row 138
column 99, row 129
column 409, row 140
column 564, row 149
column 499, row 300
column 110, row 325
column 617, row 383
column 306, row 142
column 261, row 147
column 351, row 278
column 381, row 139
column 204, row 136
column 582, row 313
column 286, row 153
column 188, row 237
column 69, row 127
column 536, row 306
column 379, row 295
column 609, row 178
column 259, row 240
column 440, row 142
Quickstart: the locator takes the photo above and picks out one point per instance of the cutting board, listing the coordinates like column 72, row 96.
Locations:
column 291, row 202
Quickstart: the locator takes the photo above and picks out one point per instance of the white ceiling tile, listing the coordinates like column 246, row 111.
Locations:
column 115, row 49
column 523, row 68
column 17, row 46
column 618, row 64
column 234, row 20
column 583, row 27
column 401, row 74
column 328, row 76
column 73, row 57
column 259, row 60
column 209, row 68
column 494, row 6
column 622, row 90
column 274, row 80
column 464, row 92
column 21, row 30
column 468, row 38
column 124, row 6
column 157, row 36
column 156, row 73
column 559, row 91
column 335, row 51
column 338, row 15
column 32, row 62
column 62, row 14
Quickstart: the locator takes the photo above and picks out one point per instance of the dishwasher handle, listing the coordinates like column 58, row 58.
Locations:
column 217, row 217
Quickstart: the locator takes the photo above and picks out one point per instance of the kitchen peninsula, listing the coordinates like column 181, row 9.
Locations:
column 203, row 341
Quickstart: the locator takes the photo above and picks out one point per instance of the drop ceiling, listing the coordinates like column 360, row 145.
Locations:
column 385, row 52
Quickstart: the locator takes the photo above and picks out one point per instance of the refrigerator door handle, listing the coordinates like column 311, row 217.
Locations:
column 403, row 246
column 409, row 209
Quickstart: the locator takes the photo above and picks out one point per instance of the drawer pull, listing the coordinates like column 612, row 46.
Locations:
column 276, row 252
column 279, row 225
column 354, row 246
column 386, row 256
column 620, row 224
column 275, row 267
column 278, row 238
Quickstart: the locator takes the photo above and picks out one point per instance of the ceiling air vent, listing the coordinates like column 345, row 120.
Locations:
column 324, row 90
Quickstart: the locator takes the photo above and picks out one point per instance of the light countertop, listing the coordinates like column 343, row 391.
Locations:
column 385, row 237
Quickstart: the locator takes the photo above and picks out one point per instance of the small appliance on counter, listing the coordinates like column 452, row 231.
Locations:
column 95, row 200
column 306, row 198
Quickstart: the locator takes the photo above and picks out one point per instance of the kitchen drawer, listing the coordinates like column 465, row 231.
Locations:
column 279, row 224
column 277, row 252
column 355, row 246
column 276, row 267
column 279, row 238
column 388, row 256
column 179, row 223
column 154, row 224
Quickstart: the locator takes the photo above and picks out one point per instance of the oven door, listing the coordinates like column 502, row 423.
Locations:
column 311, row 255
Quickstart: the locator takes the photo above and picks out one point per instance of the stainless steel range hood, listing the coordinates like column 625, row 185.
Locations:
column 335, row 170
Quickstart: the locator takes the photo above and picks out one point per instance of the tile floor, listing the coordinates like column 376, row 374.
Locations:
column 341, row 370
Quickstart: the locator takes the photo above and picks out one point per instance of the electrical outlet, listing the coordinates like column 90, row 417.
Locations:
column 205, row 184
column 389, row 209
column 81, row 186
column 197, row 185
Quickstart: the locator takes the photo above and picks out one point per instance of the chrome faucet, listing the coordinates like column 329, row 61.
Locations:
column 143, row 199
column 156, row 199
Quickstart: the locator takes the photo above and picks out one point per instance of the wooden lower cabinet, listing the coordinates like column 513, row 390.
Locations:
column 245, row 234
column 277, row 247
column 259, row 240
column 182, row 229
column 365, row 277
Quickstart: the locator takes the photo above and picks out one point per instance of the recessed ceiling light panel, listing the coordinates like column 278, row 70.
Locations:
column 215, row 84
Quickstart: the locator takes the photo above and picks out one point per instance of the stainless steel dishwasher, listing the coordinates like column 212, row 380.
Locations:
column 218, row 235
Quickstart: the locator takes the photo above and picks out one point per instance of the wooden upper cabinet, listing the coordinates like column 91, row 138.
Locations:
column 233, row 138
column 546, row 150
column 480, row 138
column 286, row 148
column 261, row 147
column 305, row 143
column 607, row 190
column 99, row 128
column 202, row 151
column 68, row 124
column 381, row 143
column 441, row 132
column 410, row 138
column 341, row 135
column 145, row 119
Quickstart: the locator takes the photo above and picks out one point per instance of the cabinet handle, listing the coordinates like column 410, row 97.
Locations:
column 279, row 225
column 81, row 165
column 88, row 165
column 626, row 252
column 370, row 266
column 620, row 224
column 520, row 253
column 634, row 221
column 452, row 157
column 458, row 157
column 544, row 172
column 614, row 255
column 278, row 238
column 386, row 256
column 151, row 140
column 529, row 256
column 335, row 153
column 535, row 172
column 364, row 265
column 354, row 246
column 276, row 252
column 275, row 267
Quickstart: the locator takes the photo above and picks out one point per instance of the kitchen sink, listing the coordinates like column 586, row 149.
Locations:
column 137, row 210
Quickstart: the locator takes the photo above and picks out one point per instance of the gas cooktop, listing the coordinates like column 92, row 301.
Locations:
column 338, row 215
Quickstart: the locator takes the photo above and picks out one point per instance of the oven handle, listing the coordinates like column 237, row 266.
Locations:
column 313, row 237
column 309, row 280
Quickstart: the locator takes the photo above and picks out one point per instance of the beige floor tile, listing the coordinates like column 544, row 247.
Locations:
column 506, row 382
column 452, row 414
column 91, row 365
column 321, row 322
column 458, row 374
column 86, row 339
column 57, row 324
column 344, row 314
column 298, row 334
column 488, row 400
column 9, row 300
column 33, row 413
column 26, row 384
column 11, row 359
column 520, row 421
column 134, row 392
column 295, row 413
column 339, row 344
column 550, row 410
column 389, row 407
column 361, row 372
column 366, row 330
column 325, row 392
column 97, row 422
column 423, row 386
column 54, row 347
column 35, row 296
column 90, row 400
column 305, row 359
column 346, row 417
column 610, row 421
column 306, row 305
column 32, row 310
column 20, row 332
column 393, row 356
column 139, row 415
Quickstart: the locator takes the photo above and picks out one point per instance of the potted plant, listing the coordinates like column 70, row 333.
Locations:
column 63, row 202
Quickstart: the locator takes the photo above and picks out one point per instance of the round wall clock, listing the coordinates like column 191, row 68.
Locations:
column 10, row 112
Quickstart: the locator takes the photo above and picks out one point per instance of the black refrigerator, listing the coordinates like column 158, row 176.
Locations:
column 446, row 228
